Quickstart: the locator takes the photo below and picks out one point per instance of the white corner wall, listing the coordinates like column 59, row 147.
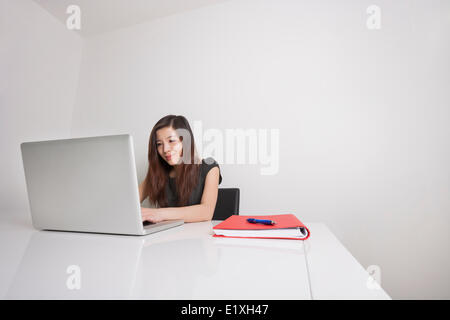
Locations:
column 39, row 65
column 363, row 115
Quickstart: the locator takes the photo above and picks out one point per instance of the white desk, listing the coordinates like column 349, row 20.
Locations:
column 180, row 263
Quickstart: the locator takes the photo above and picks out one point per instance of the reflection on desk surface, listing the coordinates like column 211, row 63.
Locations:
column 62, row 265
column 181, row 263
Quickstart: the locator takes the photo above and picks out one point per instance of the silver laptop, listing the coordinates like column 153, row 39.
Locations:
column 86, row 185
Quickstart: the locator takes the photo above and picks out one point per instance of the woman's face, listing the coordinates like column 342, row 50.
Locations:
column 169, row 145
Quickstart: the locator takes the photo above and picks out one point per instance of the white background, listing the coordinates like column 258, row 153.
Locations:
column 363, row 114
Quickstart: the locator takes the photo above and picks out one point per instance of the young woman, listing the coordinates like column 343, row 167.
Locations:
column 180, row 184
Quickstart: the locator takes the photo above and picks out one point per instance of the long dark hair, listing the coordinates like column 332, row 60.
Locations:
column 186, row 171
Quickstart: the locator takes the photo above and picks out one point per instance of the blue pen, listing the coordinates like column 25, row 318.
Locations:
column 269, row 222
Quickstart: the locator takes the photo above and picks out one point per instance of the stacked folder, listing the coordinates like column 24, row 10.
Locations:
column 287, row 226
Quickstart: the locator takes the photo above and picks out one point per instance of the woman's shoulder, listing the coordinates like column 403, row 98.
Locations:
column 209, row 163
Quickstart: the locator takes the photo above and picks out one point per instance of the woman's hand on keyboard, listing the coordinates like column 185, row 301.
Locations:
column 153, row 215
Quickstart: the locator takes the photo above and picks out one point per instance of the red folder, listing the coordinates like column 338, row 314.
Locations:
column 283, row 221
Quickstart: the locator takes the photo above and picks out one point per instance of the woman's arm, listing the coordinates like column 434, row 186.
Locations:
column 195, row 213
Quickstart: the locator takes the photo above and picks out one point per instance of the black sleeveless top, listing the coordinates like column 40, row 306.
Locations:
column 196, row 195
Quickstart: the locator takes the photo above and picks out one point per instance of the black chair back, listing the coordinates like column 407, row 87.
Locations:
column 227, row 203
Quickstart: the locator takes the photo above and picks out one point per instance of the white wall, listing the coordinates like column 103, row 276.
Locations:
column 39, row 65
column 363, row 115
